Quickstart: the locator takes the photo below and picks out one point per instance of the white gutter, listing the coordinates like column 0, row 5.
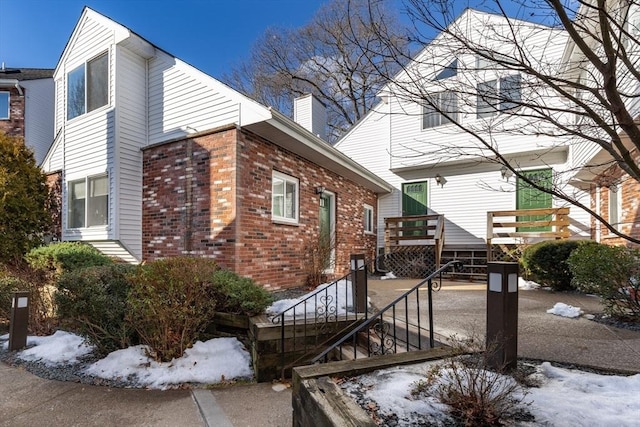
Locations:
column 11, row 83
column 323, row 148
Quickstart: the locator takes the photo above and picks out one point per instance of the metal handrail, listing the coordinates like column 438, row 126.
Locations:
column 279, row 317
column 369, row 323
column 326, row 312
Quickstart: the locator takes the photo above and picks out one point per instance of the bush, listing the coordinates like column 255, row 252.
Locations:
column 477, row 395
column 239, row 295
column 20, row 277
column 611, row 272
column 170, row 303
column 8, row 285
column 66, row 256
column 93, row 302
column 24, row 218
column 546, row 262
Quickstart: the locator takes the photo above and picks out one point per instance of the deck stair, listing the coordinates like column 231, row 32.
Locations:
column 473, row 258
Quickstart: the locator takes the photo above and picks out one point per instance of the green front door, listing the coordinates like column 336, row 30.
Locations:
column 325, row 244
column 414, row 202
column 528, row 197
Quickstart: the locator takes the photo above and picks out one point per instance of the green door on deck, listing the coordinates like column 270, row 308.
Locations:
column 414, row 202
column 528, row 197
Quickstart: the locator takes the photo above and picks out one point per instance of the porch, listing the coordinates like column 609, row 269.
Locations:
column 415, row 245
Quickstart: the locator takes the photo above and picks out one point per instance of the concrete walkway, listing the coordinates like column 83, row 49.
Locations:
column 460, row 309
column 27, row 400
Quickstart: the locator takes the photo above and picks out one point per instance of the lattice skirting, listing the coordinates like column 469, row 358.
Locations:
column 411, row 261
column 505, row 253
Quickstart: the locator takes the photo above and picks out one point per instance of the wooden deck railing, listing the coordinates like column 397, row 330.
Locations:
column 552, row 223
column 415, row 230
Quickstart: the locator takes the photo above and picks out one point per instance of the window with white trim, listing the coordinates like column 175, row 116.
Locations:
column 4, row 106
column 450, row 70
column 498, row 95
column 285, row 197
column 88, row 202
column 368, row 219
column 440, row 109
column 88, row 86
column 615, row 206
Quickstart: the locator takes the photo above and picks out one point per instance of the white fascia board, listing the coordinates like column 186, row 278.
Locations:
column 323, row 149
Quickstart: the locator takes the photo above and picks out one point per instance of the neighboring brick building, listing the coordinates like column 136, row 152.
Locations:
column 158, row 160
column 26, row 107
column 616, row 197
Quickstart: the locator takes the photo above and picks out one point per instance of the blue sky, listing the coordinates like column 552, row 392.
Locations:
column 211, row 35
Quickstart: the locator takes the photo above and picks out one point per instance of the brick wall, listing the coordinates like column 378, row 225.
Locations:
column 15, row 125
column 54, row 182
column 210, row 196
column 276, row 255
column 629, row 189
column 188, row 204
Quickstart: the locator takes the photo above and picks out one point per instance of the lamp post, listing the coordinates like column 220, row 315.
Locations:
column 502, row 315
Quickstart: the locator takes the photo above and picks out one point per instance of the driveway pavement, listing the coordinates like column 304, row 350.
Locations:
column 460, row 309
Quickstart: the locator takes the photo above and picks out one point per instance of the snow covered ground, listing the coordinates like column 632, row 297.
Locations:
column 210, row 362
column 566, row 397
column 335, row 298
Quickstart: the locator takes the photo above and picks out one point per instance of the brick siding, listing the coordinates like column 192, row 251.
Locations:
column 54, row 182
column 630, row 204
column 15, row 125
column 210, row 196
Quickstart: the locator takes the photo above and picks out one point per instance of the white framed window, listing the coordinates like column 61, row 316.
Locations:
column 285, row 197
column 368, row 219
column 88, row 86
column 498, row 95
column 448, row 71
column 615, row 206
column 440, row 109
column 88, row 202
column 4, row 105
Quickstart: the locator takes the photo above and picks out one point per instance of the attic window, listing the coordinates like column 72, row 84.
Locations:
column 448, row 71
column 4, row 105
column 88, row 86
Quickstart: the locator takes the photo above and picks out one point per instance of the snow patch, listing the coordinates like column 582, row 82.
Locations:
column 207, row 362
column 60, row 348
column 565, row 310
column 334, row 298
column 527, row 285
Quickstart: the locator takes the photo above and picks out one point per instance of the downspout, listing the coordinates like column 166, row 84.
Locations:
column 598, row 234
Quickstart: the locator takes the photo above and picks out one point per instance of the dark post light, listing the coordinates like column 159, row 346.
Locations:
column 502, row 315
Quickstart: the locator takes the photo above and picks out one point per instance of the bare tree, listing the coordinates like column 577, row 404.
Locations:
column 585, row 98
column 332, row 57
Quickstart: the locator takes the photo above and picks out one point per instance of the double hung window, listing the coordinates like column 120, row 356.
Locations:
column 498, row 95
column 368, row 219
column 4, row 106
column 440, row 109
column 88, row 202
column 88, row 86
column 285, row 195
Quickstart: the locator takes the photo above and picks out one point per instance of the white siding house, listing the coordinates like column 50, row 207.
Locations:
column 115, row 94
column 405, row 141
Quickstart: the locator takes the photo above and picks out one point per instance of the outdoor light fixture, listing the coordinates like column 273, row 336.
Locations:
column 506, row 173
column 320, row 189
column 440, row 180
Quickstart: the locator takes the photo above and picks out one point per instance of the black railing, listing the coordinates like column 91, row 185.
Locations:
column 314, row 322
column 396, row 327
